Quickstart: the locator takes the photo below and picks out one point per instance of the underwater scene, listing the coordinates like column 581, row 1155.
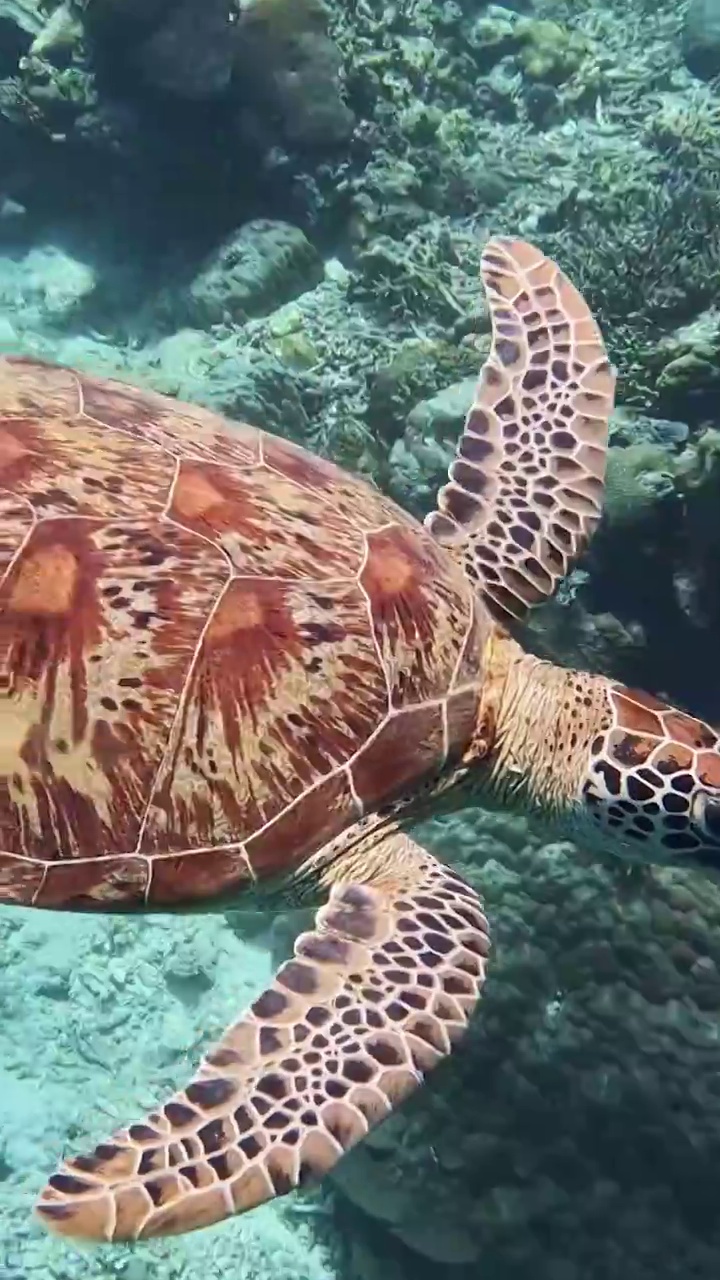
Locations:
column 359, row 639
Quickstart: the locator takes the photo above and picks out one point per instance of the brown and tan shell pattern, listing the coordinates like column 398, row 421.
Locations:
column 216, row 650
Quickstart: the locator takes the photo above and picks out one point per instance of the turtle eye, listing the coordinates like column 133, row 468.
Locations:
column 706, row 808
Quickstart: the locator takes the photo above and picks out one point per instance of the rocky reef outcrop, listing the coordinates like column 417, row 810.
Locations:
column 131, row 110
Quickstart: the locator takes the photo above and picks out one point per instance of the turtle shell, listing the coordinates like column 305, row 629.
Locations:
column 216, row 650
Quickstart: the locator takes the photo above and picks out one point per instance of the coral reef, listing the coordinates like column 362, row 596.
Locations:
column 132, row 109
column 262, row 265
column 277, row 209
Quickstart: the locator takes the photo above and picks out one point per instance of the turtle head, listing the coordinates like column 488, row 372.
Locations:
column 654, row 781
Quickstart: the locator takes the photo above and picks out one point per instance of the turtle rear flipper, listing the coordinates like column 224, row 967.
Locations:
column 374, row 997
column 526, row 486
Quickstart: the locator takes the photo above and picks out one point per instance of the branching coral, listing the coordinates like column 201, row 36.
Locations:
column 647, row 257
column 421, row 276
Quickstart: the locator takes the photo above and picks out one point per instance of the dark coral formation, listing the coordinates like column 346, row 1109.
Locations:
column 164, row 99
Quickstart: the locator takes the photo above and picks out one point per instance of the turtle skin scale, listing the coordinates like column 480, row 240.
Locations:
column 216, row 650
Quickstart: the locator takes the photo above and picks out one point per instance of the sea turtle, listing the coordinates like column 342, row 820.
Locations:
column 229, row 668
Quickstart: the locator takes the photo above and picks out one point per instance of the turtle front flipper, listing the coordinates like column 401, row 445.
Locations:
column 526, row 486
column 374, row 997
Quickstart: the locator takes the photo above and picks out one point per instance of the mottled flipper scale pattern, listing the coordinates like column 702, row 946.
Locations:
column 526, row 486
column 375, row 995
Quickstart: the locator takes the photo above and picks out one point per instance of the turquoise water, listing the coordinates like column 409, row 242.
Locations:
column 101, row 1019
column 276, row 210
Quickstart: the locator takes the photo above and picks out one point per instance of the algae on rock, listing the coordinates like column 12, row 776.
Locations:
column 257, row 268
column 640, row 480
column 417, row 369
